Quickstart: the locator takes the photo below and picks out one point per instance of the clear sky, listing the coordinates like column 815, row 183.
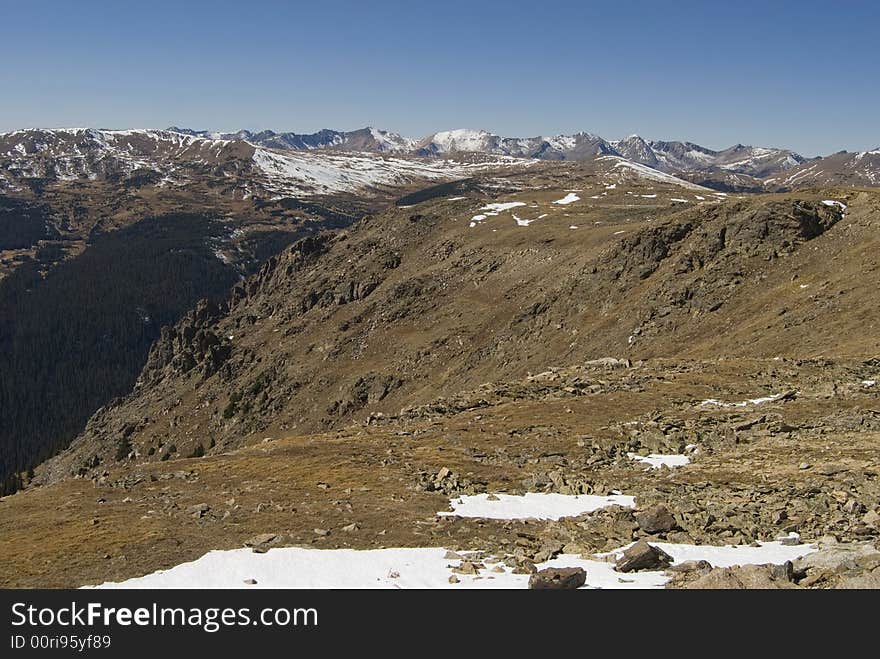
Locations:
column 797, row 73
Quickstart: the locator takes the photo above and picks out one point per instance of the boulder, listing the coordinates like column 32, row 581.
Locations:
column 551, row 578
column 642, row 556
column 834, row 559
column 656, row 519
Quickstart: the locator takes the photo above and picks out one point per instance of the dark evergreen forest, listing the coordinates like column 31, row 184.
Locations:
column 74, row 340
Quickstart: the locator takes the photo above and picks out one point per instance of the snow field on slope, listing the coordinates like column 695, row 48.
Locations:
column 433, row 567
column 298, row 567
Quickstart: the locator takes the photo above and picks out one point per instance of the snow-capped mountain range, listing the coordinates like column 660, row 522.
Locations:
column 332, row 161
column 171, row 158
column 666, row 156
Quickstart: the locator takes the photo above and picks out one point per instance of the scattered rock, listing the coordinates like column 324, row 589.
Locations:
column 691, row 566
column 467, row 567
column 525, row 566
column 739, row 578
column 261, row 543
column 680, row 538
column 834, row 559
column 198, row 510
column 863, row 581
column 790, row 540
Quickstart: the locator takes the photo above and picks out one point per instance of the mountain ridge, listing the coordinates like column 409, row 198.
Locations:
column 60, row 154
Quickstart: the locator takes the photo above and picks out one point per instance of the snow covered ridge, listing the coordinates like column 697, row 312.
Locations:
column 843, row 168
column 645, row 172
column 306, row 174
column 667, row 156
column 662, row 155
column 87, row 154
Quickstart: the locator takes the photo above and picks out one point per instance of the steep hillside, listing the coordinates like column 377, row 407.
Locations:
column 450, row 293
column 89, row 273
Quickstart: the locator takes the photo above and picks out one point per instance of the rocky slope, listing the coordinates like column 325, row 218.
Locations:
column 798, row 462
column 541, row 330
column 67, row 314
column 452, row 292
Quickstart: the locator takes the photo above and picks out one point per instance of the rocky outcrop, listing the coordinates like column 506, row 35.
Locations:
column 191, row 344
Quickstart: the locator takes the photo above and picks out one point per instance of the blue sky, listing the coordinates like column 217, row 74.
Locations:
column 799, row 74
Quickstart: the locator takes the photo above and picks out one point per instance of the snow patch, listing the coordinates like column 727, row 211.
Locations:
column 657, row 460
column 567, row 199
column 831, row 202
column 532, row 505
column 502, row 206
column 752, row 401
